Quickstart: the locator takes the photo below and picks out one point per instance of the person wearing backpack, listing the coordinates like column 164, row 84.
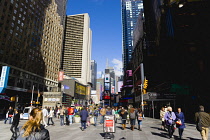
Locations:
column 204, row 119
column 95, row 114
column 132, row 116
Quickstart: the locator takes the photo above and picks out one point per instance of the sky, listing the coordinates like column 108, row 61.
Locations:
column 105, row 23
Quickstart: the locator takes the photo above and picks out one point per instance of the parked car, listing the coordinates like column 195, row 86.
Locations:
column 26, row 113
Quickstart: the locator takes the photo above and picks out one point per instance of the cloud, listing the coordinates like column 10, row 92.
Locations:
column 117, row 64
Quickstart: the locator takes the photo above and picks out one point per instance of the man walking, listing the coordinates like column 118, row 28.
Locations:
column 84, row 116
column 205, row 122
column 45, row 114
column 71, row 114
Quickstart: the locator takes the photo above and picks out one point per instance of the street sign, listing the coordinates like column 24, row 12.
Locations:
column 109, row 124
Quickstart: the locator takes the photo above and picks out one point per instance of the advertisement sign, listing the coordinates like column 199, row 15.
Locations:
column 80, row 89
column 120, row 84
column 113, row 90
column 106, row 95
column 109, row 124
column 129, row 73
column 4, row 78
column 107, row 78
column 107, row 86
column 60, row 75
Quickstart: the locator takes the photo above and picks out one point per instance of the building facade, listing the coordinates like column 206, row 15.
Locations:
column 93, row 74
column 76, row 60
column 130, row 11
column 31, row 38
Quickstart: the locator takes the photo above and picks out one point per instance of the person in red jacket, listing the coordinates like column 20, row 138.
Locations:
column 71, row 114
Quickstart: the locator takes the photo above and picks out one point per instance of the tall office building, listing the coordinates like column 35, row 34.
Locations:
column 61, row 9
column 130, row 11
column 76, row 60
column 31, row 37
column 93, row 74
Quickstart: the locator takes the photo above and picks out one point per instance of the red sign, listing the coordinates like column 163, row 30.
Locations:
column 106, row 97
column 60, row 75
column 109, row 123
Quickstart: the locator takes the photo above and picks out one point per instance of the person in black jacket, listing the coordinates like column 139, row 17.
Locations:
column 15, row 123
column 33, row 129
column 84, row 115
column 123, row 114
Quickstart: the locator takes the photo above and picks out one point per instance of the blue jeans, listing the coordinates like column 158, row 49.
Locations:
column 139, row 122
column 102, row 119
column 10, row 120
column 95, row 120
column 83, row 124
column 62, row 120
column 71, row 118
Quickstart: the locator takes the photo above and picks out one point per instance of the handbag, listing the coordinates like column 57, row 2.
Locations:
column 10, row 115
column 198, row 125
column 179, row 122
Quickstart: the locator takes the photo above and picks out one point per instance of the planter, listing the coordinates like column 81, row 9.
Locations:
column 77, row 119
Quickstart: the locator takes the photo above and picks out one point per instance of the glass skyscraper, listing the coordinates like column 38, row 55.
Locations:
column 130, row 11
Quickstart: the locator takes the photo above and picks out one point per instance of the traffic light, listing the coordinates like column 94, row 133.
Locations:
column 145, row 84
column 144, row 91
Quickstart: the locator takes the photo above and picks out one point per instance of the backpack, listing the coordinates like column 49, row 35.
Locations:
column 95, row 113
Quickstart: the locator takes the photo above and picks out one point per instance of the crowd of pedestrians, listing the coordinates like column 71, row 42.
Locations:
column 40, row 118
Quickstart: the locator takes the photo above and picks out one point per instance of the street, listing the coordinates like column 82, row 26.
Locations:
column 150, row 131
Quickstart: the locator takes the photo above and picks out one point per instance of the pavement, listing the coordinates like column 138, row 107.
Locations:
column 150, row 131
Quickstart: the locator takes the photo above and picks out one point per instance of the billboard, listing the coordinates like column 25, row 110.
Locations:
column 113, row 89
column 4, row 78
column 106, row 95
column 107, row 78
column 119, row 84
column 60, row 75
column 107, row 86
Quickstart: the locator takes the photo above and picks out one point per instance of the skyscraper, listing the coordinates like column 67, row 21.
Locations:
column 93, row 74
column 130, row 11
column 31, row 37
column 76, row 60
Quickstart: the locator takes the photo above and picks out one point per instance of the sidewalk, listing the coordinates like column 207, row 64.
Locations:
column 150, row 131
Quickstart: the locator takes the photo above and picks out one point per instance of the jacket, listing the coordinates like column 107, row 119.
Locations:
column 205, row 118
column 42, row 134
column 167, row 117
column 16, row 119
column 84, row 115
column 180, row 116
column 109, row 112
column 124, row 116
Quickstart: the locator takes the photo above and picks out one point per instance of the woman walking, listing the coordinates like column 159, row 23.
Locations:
column 170, row 118
column 132, row 116
column 162, row 114
column 180, row 122
column 123, row 115
column 140, row 117
column 33, row 129
column 50, row 117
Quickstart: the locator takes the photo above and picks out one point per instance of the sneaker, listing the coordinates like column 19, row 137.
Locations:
column 82, row 129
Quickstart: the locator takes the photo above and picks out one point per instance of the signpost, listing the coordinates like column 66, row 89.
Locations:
column 109, row 126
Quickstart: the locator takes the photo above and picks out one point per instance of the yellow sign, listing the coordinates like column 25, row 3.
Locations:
column 80, row 89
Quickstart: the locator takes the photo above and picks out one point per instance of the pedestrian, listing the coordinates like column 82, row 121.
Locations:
column 170, row 118
column 204, row 120
column 45, row 114
column 132, row 117
column 15, row 124
column 116, row 114
column 162, row 114
column 33, row 129
column 84, row 115
column 50, row 117
column 58, row 112
column 103, row 113
column 109, row 111
column 71, row 114
column 140, row 117
column 66, row 116
column 9, row 115
column 123, row 114
column 62, row 112
column 180, row 122
column 95, row 114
